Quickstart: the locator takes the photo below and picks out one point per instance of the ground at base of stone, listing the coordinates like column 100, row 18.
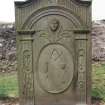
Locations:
column 98, row 103
column 9, row 101
column 15, row 101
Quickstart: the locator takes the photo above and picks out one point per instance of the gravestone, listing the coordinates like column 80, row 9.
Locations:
column 54, row 52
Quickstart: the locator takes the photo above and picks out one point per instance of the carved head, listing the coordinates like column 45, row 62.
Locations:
column 54, row 24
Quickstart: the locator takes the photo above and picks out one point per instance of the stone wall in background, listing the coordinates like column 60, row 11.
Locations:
column 7, row 47
column 98, row 40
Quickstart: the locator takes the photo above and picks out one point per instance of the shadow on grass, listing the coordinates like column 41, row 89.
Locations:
column 96, row 101
column 7, row 98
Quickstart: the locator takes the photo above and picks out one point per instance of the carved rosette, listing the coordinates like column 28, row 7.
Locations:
column 82, row 73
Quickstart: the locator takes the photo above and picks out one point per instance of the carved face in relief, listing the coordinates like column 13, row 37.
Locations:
column 54, row 24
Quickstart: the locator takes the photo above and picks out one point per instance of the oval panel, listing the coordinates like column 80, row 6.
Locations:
column 55, row 68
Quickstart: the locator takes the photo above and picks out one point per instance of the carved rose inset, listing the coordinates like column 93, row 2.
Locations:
column 55, row 68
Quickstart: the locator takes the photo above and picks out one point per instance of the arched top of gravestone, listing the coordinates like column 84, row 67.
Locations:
column 27, row 2
column 43, row 12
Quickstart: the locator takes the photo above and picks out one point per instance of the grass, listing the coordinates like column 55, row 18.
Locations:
column 98, row 81
column 8, row 85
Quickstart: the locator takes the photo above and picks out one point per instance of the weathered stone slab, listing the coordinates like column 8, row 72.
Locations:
column 54, row 51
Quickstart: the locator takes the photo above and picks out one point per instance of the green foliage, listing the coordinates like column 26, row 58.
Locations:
column 8, row 85
column 98, row 81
